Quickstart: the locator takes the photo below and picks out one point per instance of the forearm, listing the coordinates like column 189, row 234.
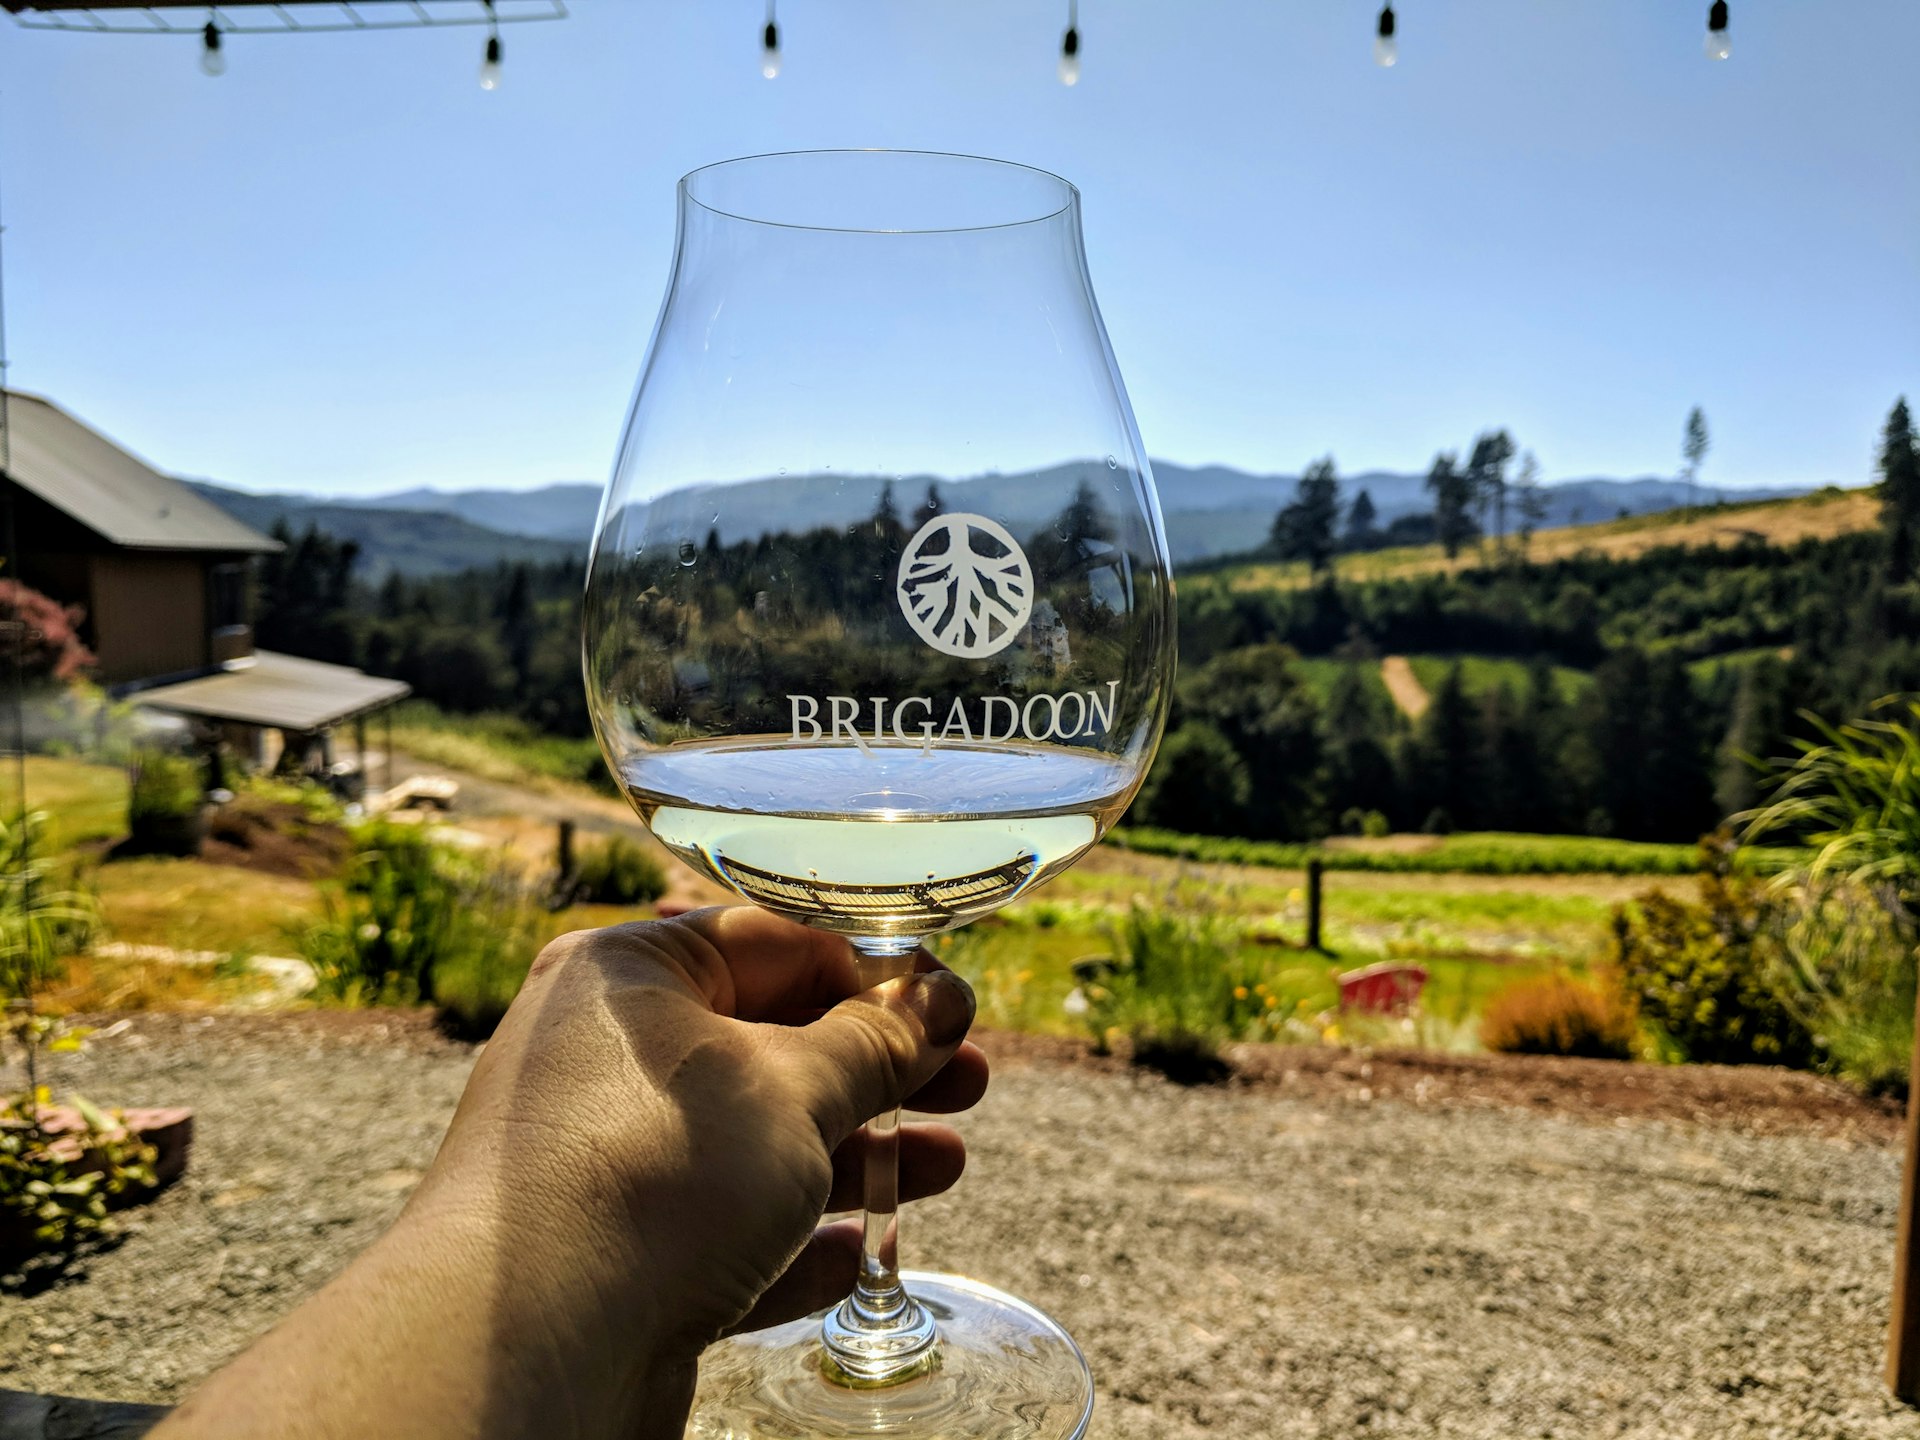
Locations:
column 445, row 1327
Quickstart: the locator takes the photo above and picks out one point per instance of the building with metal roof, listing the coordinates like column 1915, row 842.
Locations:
column 162, row 577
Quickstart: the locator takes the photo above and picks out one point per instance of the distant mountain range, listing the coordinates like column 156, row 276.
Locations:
column 1211, row 510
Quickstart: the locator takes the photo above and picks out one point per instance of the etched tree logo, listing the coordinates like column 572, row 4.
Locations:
column 965, row 586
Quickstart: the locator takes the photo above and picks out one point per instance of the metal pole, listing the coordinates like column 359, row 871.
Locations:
column 1314, row 872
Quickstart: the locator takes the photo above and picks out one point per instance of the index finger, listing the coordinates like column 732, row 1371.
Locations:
column 781, row 970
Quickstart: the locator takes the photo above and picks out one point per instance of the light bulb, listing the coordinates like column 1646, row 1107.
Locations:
column 213, row 60
column 770, row 52
column 1070, row 57
column 490, row 66
column 1719, row 40
column 1386, row 49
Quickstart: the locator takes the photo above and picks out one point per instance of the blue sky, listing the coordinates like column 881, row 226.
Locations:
column 342, row 267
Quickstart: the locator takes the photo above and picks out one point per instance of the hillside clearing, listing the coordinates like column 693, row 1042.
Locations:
column 1409, row 695
column 1820, row 516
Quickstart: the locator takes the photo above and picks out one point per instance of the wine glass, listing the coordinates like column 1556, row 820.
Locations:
column 879, row 635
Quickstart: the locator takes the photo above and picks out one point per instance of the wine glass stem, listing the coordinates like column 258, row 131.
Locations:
column 879, row 1334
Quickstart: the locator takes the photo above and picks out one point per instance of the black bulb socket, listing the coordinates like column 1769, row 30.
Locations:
column 210, row 37
column 1070, row 44
column 771, row 39
column 493, row 49
column 1386, row 22
column 1717, row 16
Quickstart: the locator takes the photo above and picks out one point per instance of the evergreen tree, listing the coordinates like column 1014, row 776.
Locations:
column 1361, row 532
column 1303, row 530
column 1452, row 493
column 1487, row 478
column 1693, row 449
column 1755, row 723
column 1899, row 490
column 1528, row 499
column 519, row 627
column 1198, row 784
column 929, row 507
column 1358, row 723
column 1451, row 748
column 1256, row 698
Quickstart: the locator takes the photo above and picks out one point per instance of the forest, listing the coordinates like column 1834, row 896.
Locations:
column 1640, row 697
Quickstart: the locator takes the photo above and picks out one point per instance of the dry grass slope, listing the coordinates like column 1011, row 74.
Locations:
column 1820, row 516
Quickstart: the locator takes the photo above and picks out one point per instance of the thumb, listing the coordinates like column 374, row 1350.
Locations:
column 867, row 1054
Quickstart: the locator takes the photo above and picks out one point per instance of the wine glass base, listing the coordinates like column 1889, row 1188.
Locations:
column 1004, row 1372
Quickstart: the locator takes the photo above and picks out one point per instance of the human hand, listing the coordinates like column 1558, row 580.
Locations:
column 688, row 1090
column 637, row 1165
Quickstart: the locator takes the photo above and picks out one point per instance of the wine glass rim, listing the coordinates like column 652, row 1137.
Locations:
column 1069, row 192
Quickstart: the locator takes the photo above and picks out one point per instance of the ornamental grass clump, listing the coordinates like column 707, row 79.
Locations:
column 416, row 921
column 1846, row 958
column 1557, row 1015
column 1170, row 988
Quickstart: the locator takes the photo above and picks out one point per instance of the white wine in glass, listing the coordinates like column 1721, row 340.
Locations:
column 879, row 636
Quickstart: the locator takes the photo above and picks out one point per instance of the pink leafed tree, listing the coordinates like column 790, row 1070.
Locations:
column 50, row 634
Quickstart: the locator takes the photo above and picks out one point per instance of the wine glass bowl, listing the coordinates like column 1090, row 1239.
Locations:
column 878, row 634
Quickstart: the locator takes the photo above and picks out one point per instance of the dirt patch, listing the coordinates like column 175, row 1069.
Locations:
column 1300, row 1259
column 1396, row 673
column 1743, row 1099
column 274, row 837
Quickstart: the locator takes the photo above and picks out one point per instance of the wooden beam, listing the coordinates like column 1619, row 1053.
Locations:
column 1903, row 1330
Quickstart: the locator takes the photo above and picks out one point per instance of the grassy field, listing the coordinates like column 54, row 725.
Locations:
column 1819, row 516
column 1481, row 673
column 84, row 802
column 1480, row 912
column 1481, row 853
column 498, row 747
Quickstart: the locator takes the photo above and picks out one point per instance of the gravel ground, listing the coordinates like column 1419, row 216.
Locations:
column 1292, row 1258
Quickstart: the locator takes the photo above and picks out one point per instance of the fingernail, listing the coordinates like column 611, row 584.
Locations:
column 944, row 1003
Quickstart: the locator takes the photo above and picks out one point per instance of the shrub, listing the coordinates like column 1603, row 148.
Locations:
column 1558, row 1016
column 414, row 920
column 1171, row 989
column 50, row 648
column 1702, row 974
column 617, row 871
column 163, row 805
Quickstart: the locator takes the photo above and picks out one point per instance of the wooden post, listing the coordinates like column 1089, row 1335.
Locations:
column 1903, row 1333
column 565, row 859
column 1314, row 872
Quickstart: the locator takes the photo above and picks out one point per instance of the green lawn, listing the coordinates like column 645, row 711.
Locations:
column 83, row 802
column 1320, row 673
column 1481, row 673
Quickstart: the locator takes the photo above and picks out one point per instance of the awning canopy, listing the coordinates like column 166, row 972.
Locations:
column 282, row 691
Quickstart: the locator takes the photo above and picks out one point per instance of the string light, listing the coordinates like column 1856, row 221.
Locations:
column 490, row 62
column 213, row 60
column 1386, row 49
column 1719, row 43
column 1070, row 46
column 770, row 47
